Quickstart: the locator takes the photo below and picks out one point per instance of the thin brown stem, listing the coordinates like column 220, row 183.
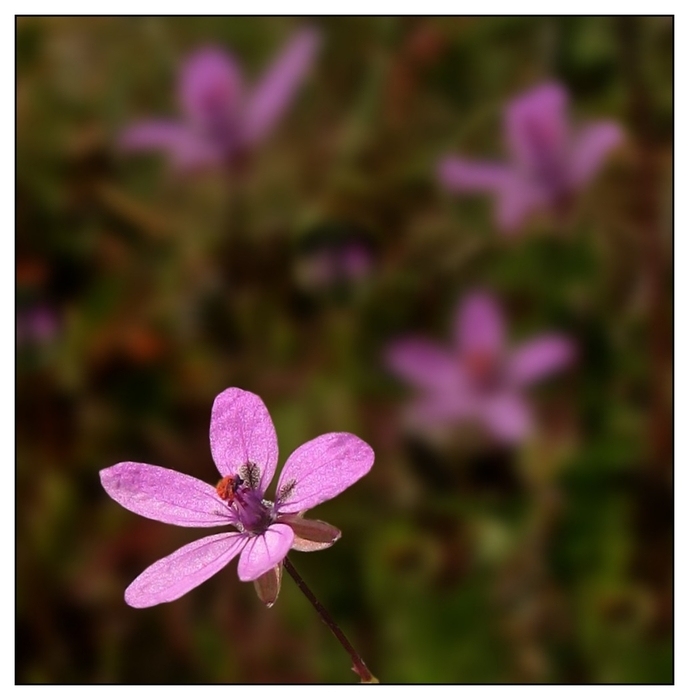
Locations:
column 358, row 665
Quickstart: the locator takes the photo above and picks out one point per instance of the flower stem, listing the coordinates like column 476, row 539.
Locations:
column 359, row 667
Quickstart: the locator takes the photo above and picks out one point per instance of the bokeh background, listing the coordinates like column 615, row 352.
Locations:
column 143, row 292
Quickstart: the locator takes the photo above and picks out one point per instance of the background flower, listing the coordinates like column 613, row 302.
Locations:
column 36, row 325
column 223, row 117
column 550, row 160
column 478, row 378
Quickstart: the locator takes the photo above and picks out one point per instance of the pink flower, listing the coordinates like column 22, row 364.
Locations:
column 222, row 118
column 549, row 160
column 478, row 378
column 37, row 325
column 245, row 451
column 331, row 265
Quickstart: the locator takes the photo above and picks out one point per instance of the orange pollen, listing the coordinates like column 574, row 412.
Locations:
column 227, row 486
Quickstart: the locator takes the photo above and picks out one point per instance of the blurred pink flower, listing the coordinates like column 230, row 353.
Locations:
column 549, row 160
column 351, row 261
column 478, row 378
column 223, row 119
column 245, row 451
column 38, row 324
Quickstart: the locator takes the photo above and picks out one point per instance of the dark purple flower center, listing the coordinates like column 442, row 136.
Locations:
column 216, row 98
column 220, row 123
column 482, row 367
column 254, row 513
column 242, row 495
column 547, row 159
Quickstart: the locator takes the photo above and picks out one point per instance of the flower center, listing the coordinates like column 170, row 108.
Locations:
column 220, row 117
column 547, row 166
column 216, row 97
column 241, row 493
column 482, row 367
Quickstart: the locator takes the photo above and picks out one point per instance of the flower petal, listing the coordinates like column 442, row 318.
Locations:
column 210, row 88
column 152, row 134
column 188, row 567
column 277, row 87
column 264, row 551
column 320, row 469
column 440, row 409
column 591, row 146
column 165, row 495
column 422, row 363
column 536, row 127
column 184, row 147
column 508, row 417
column 516, row 200
column 462, row 175
column 310, row 535
column 539, row 357
column 268, row 585
column 242, row 433
column 479, row 325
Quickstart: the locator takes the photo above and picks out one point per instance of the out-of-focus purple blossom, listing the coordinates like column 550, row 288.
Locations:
column 36, row 325
column 549, row 160
column 329, row 265
column 478, row 378
column 356, row 261
column 245, row 451
column 223, row 119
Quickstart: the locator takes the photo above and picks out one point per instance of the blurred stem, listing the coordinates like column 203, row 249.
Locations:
column 358, row 665
column 524, row 589
column 237, row 211
column 234, row 251
column 647, row 216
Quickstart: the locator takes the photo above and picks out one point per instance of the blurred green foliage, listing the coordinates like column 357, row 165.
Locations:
column 459, row 561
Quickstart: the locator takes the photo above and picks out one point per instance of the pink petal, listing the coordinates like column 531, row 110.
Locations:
column 508, row 417
column 479, row 326
column 538, row 358
column 185, row 148
column 516, row 194
column 152, row 134
column 165, row 495
column 243, row 433
column 263, row 552
column 536, row 126
column 516, row 200
column 422, row 363
column 320, row 469
column 188, row 567
column 591, row 146
column 210, row 87
column 441, row 409
column 461, row 175
column 271, row 97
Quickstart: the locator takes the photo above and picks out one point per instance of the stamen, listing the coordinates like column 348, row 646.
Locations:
column 253, row 513
column 286, row 490
column 227, row 487
column 250, row 473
